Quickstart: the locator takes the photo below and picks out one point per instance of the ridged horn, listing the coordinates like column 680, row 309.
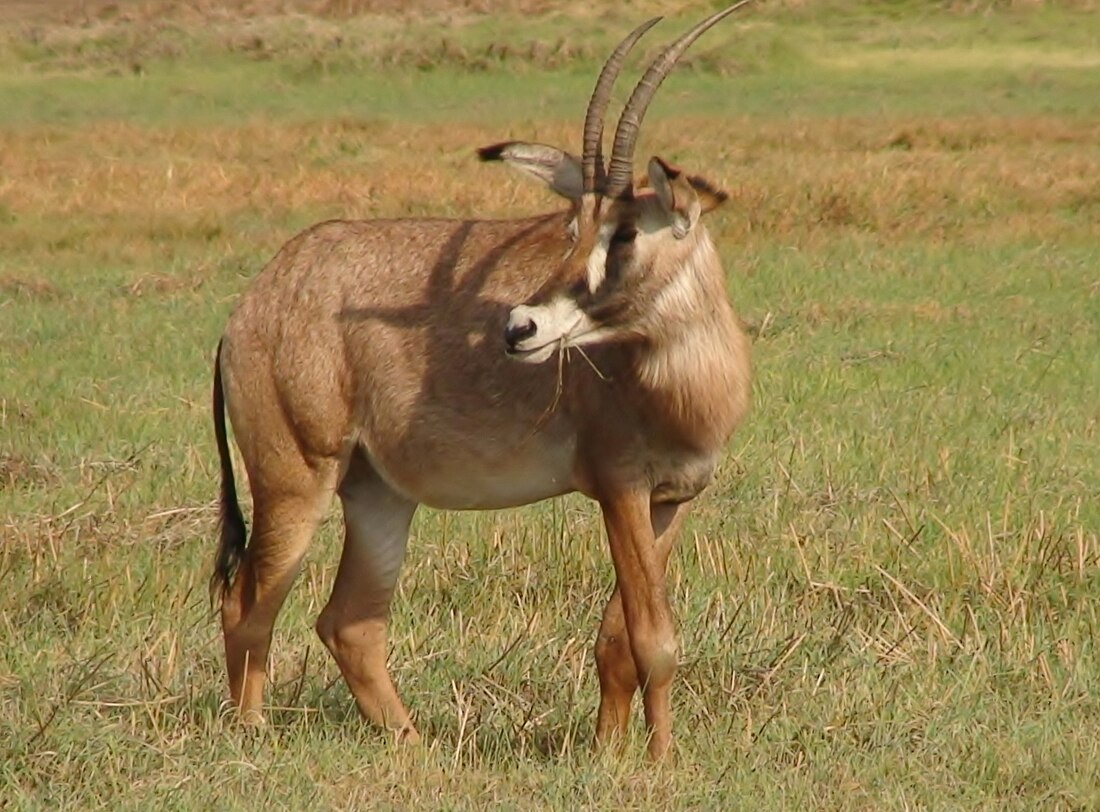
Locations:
column 592, row 168
column 620, row 174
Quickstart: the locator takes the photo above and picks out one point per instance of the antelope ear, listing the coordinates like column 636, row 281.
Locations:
column 559, row 170
column 710, row 196
column 685, row 198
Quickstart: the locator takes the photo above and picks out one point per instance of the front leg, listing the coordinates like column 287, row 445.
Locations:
column 614, row 660
column 637, row 642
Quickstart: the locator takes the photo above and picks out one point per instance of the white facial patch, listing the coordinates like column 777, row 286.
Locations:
column 596, row 266
column 558, row 324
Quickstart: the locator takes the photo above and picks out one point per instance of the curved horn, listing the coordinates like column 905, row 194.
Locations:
column 592, row 168
column 620, row 174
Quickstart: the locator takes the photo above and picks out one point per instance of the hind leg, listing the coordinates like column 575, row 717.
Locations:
column 283, row 524
column 353, row 625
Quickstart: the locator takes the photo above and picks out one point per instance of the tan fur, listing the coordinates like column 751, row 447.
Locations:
column 368, row 360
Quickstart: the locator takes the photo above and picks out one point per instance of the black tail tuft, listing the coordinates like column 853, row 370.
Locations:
column 232, row 533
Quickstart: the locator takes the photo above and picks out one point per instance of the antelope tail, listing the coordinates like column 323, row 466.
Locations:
column 231, row 530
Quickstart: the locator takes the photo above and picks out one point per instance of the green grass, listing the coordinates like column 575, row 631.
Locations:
column 233, row 90
column 887, row 599
column 843, row 60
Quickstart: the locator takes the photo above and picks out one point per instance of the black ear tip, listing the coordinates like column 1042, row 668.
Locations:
column 493, row 152
column 671, row 172
column 704, row 186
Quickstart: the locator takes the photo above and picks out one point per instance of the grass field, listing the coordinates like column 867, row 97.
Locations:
column 889, row 598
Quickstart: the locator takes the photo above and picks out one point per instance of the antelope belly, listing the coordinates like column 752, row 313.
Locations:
column 457, row 481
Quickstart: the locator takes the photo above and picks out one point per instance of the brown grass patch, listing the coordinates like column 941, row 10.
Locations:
column 18, row 471
column 980, row 178
column 17, row 286
column 128, row 40
column 83, row 11
column 138, row 9
column 86, row 10
column 164, row 284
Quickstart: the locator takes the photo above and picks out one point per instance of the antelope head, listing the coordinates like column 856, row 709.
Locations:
column 628, row 248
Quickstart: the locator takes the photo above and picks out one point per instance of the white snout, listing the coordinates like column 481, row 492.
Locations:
column 533, row 332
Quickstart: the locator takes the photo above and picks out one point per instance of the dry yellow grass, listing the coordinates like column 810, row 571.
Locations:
column 981, row 178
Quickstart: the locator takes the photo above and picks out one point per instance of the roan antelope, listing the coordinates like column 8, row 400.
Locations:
column 398, row 362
